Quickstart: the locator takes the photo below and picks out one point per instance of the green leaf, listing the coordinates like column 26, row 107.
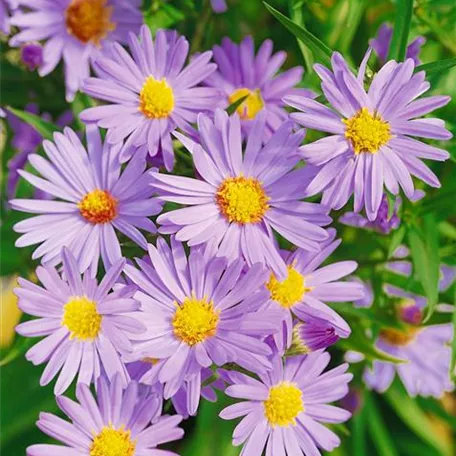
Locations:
column 297, row 17
column 233, row 106
column 437, row 67
column 359, row 433
column 378, row 430
column 424, row 249
column 399, row 41
column 319, row 49
column 396, row 238
column 80, row 103
column 412, row 415
column 44, row 128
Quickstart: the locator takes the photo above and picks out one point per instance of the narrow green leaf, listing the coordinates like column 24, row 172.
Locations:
column 359, row 443
column 437, row 67
column 319, row 49
column 297, row 18
column 424, row 249
column 412, row 415
column 378, row 430
column 233, row 106
column 398, row 47
column 396, row 238
column 44, row 128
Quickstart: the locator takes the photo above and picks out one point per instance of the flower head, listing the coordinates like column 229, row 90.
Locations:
column 93, row 199
column 382, row 42
column 199, row 311
column 32, row 55
column 85, row 325
column 241, row 197
column 241, row 74
column 150, row 93
column 283, row 410
column 219, row 6
column 118, row 421
column 76, row 30
column 305, row 289
column 370, row 146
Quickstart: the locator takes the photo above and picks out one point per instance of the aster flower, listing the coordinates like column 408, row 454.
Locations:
column 32, row 55
column 26, row 141
column 85, row 325
column 283, row 410
column 382, row 42
column 77, row 31
column 95, row 198
column 425, row 350
column 241, row 73
column 116, row 421
column 199, row 311
column 242, row 197
column 150, row 93
column 307, row 285
column 6, row 8
column 370, row 144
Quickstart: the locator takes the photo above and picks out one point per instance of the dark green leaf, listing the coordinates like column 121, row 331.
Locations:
column 319, row 49
column 233, row 106
column 399, row 41
column 437, row 67
column 44, row 128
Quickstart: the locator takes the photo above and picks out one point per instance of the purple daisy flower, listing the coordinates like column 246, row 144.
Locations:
column 85, row 325
column 6, row 8
column 370, row 145
column 32, row 55
column 242, row 74
column 242, row 197
column 95, row 198
column 150, row 93
column 283, row 410
column 425, row 350
column 116, row 421
column 382, row 42
column 199, row 311
column 77, row 31
column 26, row 141
column 307, row 285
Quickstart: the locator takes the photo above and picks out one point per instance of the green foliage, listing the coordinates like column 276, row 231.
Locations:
column 401, row 30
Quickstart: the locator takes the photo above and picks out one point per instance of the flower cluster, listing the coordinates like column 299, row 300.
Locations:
column 231, row 287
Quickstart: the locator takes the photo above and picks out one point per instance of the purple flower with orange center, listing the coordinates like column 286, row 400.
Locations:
column 242, row 197
column 199, row 311
column 150, row 93
column 241, row 74
column 302, row 294
column 371, row 144
column 117, row 421
column 77, row 31
column 284, row 409
column 93, row 198
column 85, row 325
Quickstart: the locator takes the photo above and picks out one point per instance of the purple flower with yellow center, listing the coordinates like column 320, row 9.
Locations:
column 303, row 292
column 150, row 93
column 6, row 8
column 94, row 198
column 85, row 325
column 77, row 31
column 199, row 311
column 241, row 74
column 241, row 198
column 371, row 144
column 382, row 42
column 284, row 409
column 117, row 421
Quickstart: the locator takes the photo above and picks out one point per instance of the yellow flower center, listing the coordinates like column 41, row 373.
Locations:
column 113, row 442
column 251, row 106
column 156, row 99
column 242, row 200
column 149, row 360
column 283, row 404
column 81, row 318
column 290, row 291
column 397, row 337
column 98, row 206
column 195, row 320
column 89, row 20
column 367, row 132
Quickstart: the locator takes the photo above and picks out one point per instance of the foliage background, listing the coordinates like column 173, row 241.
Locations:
column 388, row 425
